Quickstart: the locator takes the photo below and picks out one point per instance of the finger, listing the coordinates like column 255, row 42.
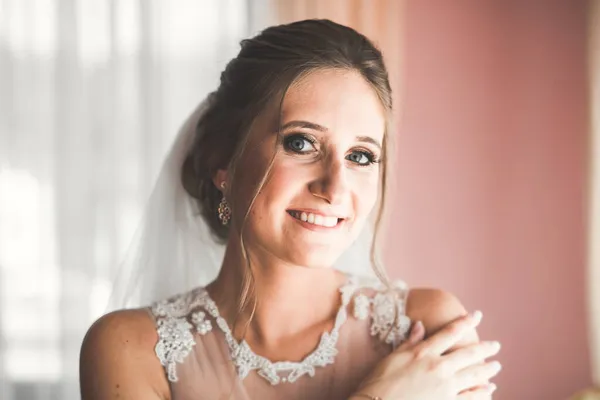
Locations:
column 470, row 355
column 417, row 333
column 477, row 375
column 473, row 389
column 449, row 335
column 479, row 393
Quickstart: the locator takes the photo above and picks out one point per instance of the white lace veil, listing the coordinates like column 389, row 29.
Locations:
column 173, row 250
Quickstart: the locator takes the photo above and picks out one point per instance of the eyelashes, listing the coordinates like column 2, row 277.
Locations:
column 302, row 144
column 299, row 143
column 362, row 157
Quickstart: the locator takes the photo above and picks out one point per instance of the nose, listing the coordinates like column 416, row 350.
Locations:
column 332, row 184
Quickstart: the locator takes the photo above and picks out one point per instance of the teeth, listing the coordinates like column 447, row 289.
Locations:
column 330, row 221
column 314, row 219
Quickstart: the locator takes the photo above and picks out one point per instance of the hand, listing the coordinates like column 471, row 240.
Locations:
column 425, row 370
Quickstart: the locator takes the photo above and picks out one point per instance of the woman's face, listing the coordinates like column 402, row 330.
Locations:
column 323, row 183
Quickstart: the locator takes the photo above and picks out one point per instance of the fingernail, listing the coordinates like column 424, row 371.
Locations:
column 491, row 388
column 497, row 365
column 417, row 328
column 477, row 315
column 495, row 345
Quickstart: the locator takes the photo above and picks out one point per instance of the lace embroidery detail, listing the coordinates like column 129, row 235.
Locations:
column 174, row 344
column 362, row 304
column 175, row 338
column 383, row 308
column 245, row 360
column 179, row 316
column 203, row 325
column 177, row 306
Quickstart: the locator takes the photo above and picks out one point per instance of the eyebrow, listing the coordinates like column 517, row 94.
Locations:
column 304, row 124
column 368, row 139
column 321, row 128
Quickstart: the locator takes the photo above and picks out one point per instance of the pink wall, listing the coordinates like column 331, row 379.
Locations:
column 492, row 169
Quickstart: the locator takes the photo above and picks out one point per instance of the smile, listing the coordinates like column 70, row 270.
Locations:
column 315, row 219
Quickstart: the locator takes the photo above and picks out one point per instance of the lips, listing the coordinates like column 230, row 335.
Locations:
column 327, row 221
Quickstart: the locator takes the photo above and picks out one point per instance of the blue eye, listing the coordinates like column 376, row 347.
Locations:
column 361, row 158
column 298, row 144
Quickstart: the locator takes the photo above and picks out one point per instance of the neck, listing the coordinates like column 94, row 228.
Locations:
column 290, row 299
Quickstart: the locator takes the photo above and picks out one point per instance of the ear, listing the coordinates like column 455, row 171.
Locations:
column 220, row 177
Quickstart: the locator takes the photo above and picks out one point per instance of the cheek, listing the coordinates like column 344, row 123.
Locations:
column 249, row 173
column 281, row 187
column 285, row 177
column 365, row 192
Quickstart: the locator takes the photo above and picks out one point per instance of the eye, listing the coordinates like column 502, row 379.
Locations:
column 362, row 158
column 299, row 143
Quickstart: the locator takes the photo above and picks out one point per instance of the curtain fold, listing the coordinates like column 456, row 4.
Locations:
column 92, row 93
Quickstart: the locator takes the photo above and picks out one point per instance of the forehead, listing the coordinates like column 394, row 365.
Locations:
column 341, row 101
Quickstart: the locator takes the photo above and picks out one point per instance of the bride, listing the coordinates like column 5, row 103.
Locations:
column 285, row 163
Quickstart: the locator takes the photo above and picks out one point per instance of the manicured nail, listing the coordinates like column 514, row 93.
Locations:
column 417, row 328
column 477, row 315
column 491, row 388
column 495, row 345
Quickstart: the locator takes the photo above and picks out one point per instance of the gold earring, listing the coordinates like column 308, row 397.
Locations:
column 224, row 210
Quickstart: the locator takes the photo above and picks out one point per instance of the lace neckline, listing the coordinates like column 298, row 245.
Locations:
column 246, row 360
column 180, row 317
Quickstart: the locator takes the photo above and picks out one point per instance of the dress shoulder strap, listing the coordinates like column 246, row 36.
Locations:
column 386, row 307
column 177, row 319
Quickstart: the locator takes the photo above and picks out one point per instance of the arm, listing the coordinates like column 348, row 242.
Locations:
column 435, row 309
column 117, row 359
column 428, row 369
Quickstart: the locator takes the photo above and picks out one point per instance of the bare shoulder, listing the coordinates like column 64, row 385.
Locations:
column 435, row 308
column 118, row 361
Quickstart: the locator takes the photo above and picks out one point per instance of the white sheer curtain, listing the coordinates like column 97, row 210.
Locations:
column 91, row 94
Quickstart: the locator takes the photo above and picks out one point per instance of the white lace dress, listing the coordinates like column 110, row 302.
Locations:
column 203, row 360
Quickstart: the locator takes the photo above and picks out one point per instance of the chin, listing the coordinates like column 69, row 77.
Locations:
column 315, row 259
